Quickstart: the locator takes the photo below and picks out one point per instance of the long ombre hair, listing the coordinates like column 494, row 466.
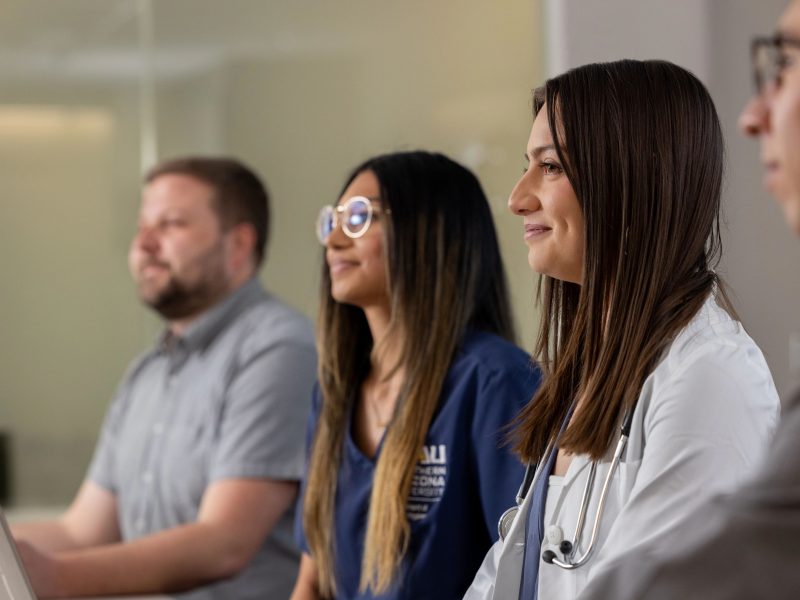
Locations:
column 641, row 144
column 445, row 277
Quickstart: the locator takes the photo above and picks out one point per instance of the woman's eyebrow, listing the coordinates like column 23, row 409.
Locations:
column 536, row 152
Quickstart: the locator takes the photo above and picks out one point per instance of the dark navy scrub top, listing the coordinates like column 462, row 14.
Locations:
column 465, row 479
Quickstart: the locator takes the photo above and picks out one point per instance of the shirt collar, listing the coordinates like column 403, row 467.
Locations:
column 202, row 331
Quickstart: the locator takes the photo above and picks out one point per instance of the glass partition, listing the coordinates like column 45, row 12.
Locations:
column 94, row 91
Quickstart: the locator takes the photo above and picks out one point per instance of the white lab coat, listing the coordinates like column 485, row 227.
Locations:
column 702, row 422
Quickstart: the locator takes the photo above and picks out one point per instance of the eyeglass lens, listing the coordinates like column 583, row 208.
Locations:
column 355, row 215
column 325, row 223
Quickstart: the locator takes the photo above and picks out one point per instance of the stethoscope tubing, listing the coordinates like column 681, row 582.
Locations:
column 532, row 473
column 570, row 561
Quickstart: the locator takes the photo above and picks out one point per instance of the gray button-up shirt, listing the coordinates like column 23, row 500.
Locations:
column 227, row 399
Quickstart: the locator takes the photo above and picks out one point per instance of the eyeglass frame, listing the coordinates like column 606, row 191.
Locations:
column 338, row 209
column 775, row 43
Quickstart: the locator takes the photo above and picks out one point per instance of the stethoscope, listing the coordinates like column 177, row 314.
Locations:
column 570, row 548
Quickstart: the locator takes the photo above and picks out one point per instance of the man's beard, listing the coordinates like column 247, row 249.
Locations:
column 177, row 300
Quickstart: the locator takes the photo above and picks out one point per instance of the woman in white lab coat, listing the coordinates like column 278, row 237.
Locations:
column 620, row 206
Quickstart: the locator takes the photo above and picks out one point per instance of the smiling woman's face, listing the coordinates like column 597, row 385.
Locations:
column 357, row 266
column 551, row 214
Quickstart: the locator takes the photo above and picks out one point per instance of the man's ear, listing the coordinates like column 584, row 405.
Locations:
column 241, row 242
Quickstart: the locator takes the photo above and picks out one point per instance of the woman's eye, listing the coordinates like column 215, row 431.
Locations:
column 550, row 168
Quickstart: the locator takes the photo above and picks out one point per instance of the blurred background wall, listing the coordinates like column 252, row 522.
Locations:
column 92, row 91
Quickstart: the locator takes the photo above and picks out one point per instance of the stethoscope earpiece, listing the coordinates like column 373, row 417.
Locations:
column 548, row 556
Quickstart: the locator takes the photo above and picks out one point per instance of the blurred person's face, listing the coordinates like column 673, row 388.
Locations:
column 178, row 257
column 358, row 265
column 773, row 116
column 552, row 217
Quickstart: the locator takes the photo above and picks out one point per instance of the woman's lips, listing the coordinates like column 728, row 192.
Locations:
column 535, row 230
column 339, row 266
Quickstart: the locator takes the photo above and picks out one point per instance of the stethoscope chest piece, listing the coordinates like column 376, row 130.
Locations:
column 507, row 518
column 505, row 522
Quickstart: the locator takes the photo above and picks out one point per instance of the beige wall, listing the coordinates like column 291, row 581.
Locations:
column 69, row 321
column 451, row 76
column 304, row 121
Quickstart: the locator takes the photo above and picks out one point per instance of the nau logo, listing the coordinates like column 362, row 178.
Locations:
column 430, row 480
column 433, row 455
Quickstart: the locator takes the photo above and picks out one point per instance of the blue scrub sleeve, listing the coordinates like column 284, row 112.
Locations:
column 499, row 471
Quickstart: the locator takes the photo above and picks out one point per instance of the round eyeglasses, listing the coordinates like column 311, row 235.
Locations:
column 355, row 216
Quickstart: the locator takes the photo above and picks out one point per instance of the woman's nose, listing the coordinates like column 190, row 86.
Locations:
column 523, row 199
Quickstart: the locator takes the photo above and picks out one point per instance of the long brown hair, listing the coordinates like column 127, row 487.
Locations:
column 641, row 144
column 445, row 276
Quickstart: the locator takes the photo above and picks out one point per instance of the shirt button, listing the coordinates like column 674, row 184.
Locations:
column 140, row 524
column 554, row 535
column 158, row 428
column 147, row 477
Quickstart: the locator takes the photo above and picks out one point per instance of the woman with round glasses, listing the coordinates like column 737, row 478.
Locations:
column 654, row 397
column 418, row 378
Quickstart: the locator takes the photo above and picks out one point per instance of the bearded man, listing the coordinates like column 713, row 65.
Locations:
column 192, row 484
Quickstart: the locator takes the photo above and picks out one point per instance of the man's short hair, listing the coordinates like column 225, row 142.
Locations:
column 239, row 195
